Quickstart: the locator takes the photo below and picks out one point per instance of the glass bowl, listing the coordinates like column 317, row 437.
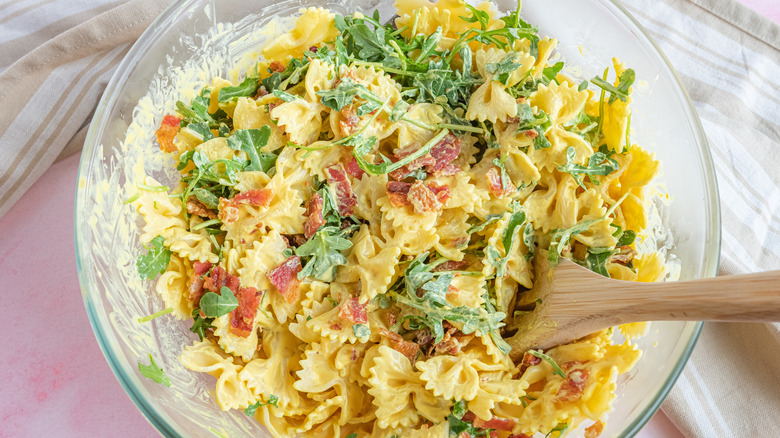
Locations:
column 195, row 40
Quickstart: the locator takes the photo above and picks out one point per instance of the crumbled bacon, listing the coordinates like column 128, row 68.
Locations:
column 531, row 133
column 442, row 192
column 313, row 49
column 351, row 310
column 353, row 169
column 194, row 206
column 519, row 435
column 497, row 423
column 397, row 192
column 572, row 387
column 449, row 169
column 314, row 219
column 453, row 341
column 496, row 185
column 220, row 278
column 426, row 160
column 594, row 430
column 228, row 212
column 257, row 197
column 345, row 198
column 446, row 150
column 529, row 360
column 167, row 132
column 398, row 343
column 349, row 121
column 262, row 91
column 423, row 199
column 277, row 67
column 295, row 240
column 242, row 317
column 201, row 268
column 228, row 208
column 451, row 265
column 625, row 256
column 285, row 278
column 335, row 325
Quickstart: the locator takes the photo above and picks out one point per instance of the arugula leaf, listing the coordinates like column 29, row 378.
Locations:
column 352, row 435
column 399, row 110
column 200, row 324
column 285, row 96
column 598, row 164
column 516, row 220
column 248, row 87
column 489, row 219
column 428, row 48
column 626, row 237
column 200, row 130
column 215, row 305
column 537, row 122
column 152, row 371
column 596, row 260
column 154, row 315
column 549, row 74
column 360, row 330
column 206, row 198
column 548, row 359
column 457, row 425
column 529, row 237
column 251, row 409
column 198, row 112
column 155, row 261
column 622, row 90
column 252, row 141
column 503, row 69
column 323, row 251
column 560, row 238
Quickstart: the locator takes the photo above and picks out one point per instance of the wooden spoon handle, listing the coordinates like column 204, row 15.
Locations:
column 750, row 297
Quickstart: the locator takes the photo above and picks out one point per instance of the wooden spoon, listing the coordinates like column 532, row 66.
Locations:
column 572, row 301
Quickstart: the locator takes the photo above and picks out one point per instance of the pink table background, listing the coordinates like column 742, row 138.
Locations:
column 55, row 380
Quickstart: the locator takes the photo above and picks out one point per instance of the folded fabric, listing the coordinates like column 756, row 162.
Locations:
column 57, row 56
column 728, row 59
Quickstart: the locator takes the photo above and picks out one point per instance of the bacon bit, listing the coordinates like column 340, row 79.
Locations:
column 295, row 240
column 451, row 265
column 391, row 318
column 531, row 133
column 397, row 343
column 220, row 278
column 452, row 293
column 520, row 435
column 271, row 106
column 625, row 256
column 498, row 423
column 469, row 417
column 423, row 199
column 445, row 151
column 313, row 49
column 529, row 360
column 426, row 160
column 242, row 318
column 285, row 278
column 464, row 434
column 201, row 268
column 349, row 121
column 277, row 67
column 449, row 169
column 167, row 132
column 495, row 184
column 228, row 212
column 345, row 197
column 398, row 192
column 195, row 288
column 572, row 387
column 262, row 91
column 442, row 192
column 571, row 364
column 354, row 170
column 257, row 197
column 335, row 325
column 594, row 430
column 194, row 206
column 314, row 219
column 453, row 341
column 351, row 310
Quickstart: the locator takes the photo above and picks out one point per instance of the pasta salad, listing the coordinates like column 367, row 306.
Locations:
column 353, row 232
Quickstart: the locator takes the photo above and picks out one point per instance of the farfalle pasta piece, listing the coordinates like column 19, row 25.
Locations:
column 250, row 114
column 314, row 26
column 172, row 287
column 399, row 394
column 206, row 357
column 372, row 262
column 300, row 119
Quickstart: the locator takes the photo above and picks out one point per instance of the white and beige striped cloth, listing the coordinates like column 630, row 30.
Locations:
column 57, row 55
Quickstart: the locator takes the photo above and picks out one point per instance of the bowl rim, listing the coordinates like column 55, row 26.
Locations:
column 164, row 424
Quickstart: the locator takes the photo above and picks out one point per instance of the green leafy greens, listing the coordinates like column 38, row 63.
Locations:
column 155, row 261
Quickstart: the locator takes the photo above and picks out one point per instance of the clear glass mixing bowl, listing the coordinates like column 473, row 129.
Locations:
column 119, row 143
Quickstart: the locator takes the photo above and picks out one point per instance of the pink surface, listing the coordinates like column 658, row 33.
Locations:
column 56, row 381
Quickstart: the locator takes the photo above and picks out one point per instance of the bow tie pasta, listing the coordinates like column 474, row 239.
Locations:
column 353, row 231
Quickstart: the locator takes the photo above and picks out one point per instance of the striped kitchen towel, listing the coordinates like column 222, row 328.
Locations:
column 56, row 57
column 729, row 60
